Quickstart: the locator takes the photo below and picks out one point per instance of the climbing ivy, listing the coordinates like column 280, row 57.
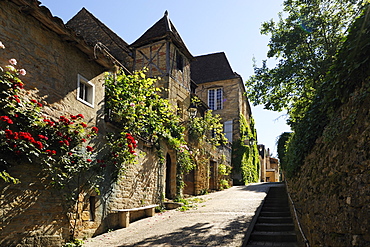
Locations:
column 245, row 158
column 136, row 107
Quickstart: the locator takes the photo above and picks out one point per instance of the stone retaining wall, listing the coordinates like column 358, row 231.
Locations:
column 332, row 189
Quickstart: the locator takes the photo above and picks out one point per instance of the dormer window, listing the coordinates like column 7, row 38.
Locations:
column 179, row 61
column 85, row 91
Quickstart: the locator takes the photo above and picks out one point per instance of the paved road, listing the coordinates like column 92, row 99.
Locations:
column 220, row 220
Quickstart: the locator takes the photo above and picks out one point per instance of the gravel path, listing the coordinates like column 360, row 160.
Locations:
column 220, row 220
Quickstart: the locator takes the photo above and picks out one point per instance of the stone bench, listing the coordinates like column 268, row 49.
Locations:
column 124, row 214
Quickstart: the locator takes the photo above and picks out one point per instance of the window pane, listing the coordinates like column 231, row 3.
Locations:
column 228, row 130
column 82, row 90
column 85, row 91
column 211, row 99
column 219, row 98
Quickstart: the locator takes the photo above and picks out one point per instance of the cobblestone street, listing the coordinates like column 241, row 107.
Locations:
column 220, row 220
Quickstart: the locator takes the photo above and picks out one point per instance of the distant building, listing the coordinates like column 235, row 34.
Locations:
column 269, row 166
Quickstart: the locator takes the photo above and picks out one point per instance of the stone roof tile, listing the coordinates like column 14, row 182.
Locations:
column 94, row 31
column 160, row 30
column 211, row 67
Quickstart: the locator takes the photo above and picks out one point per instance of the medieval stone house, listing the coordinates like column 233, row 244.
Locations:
column 62, row 62
column 224, row 92
column 162, row 51
column 270, row 168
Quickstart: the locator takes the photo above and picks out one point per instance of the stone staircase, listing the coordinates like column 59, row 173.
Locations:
column 273, row 224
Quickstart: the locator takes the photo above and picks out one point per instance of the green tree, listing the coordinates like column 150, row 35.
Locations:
column 305, row 41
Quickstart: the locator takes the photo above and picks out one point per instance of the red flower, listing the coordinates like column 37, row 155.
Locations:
column 43, row 137
column 18, row 85
column 73, row 117
column 51, row 152
column 33, row 101
column 38, row 144
column 6, row 119
column 94, row 129
column 66, row 142
column 49, row 122
column 39, row 104
column 8, row 134
column 83, row 125
column 88, row 160
column 83, row 140
column 26, row 136
column 90, row 149
column 80, row 116
column 15, row 97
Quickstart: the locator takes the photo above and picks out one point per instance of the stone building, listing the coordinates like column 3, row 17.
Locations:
column 270, row 168
column 164, row 54
column 59, row 66
column 62, row 62
column 224, row 92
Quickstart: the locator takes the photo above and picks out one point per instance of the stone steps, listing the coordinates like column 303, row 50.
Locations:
column 274, row 224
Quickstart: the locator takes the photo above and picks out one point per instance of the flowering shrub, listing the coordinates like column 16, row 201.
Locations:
column 137, row 108
column 27, row 135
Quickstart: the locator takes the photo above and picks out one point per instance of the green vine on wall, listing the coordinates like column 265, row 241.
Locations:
column 246, row 157
column 137, row 108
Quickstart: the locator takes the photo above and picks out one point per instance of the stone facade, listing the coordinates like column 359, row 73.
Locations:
column 34, row 213
column 213, row 72
column 270, row 168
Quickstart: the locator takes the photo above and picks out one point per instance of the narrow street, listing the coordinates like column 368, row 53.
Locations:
column 221, row 219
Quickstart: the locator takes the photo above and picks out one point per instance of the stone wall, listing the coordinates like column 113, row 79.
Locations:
column 233, row 104
column 33, row 213
column 332, row 189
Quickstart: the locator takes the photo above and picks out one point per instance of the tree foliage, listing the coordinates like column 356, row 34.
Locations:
column 304, row 41
column 347, row 78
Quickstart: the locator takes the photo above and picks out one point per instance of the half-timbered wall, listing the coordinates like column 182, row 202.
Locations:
column 161, row 59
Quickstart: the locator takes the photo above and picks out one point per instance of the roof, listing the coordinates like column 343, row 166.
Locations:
column 94, row 31
column 55, row 24
column 162, row 29
column 211, row 67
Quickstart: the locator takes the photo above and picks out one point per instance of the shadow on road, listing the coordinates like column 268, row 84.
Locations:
column 200, row 234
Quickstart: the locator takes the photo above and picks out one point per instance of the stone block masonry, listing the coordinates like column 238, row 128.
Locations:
column 332, row 189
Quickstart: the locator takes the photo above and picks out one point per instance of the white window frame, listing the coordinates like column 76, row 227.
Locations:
column 217, row 103
column 89, row 95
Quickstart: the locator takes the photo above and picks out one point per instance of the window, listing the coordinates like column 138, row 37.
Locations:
column 85, row 91
column 228, row 130
column 215, row 99
column 179, row 61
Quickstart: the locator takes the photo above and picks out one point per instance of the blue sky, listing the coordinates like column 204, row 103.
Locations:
column 206, row 26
